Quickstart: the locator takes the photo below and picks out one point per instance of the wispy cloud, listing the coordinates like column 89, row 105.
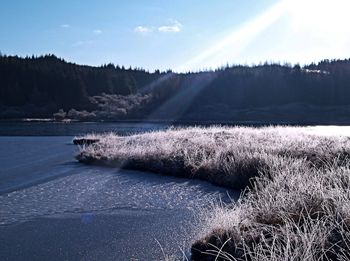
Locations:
column 65, row 26
column 173, row 27
column 143, row 29
column 97, row 31
column 81, row 43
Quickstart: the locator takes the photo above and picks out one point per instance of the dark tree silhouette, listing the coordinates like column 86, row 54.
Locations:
column 40, row 86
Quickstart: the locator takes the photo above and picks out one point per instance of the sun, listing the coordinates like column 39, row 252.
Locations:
column 330, row 17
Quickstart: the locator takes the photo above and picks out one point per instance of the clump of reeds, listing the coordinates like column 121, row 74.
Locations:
column 297, row 213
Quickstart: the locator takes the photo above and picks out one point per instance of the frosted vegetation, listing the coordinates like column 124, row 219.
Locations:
column 108, row 106
column 295, row 202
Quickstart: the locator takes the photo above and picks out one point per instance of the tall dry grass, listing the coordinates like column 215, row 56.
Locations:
column 295, row 212
column 298, row 201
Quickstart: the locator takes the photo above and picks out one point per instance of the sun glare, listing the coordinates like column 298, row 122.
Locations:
column 320, row 16
column 321, row 27
column 315, row 29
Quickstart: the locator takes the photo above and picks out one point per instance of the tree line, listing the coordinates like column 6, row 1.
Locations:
column 45, row 85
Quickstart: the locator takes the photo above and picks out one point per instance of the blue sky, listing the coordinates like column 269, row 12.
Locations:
column 180, row 35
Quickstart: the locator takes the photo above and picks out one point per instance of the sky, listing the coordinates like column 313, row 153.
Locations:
column 181, row 35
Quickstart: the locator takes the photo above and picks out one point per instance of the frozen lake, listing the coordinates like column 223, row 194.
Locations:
column 53, row 208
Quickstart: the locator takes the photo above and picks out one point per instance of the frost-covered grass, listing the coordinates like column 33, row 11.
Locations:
column 298, row 201
column 224, row 156
column 297, row 213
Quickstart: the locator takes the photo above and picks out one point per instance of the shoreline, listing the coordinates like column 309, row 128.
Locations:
column 184, row 122
column 109, row 206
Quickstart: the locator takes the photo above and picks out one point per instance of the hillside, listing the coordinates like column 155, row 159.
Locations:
column 47, row 86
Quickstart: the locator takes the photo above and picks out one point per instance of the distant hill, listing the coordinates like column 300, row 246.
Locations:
column 47, row 86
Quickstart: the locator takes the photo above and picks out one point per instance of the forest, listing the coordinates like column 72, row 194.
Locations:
column 50, row 87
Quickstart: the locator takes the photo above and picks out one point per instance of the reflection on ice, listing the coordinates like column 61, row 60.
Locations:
column 102, row 190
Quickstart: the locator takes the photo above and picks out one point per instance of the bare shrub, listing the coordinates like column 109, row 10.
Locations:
column 116, row 106
column 80, row 115
column 60, row 115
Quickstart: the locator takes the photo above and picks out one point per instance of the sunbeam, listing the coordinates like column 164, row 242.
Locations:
column 229, row 47
column 190, row 89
